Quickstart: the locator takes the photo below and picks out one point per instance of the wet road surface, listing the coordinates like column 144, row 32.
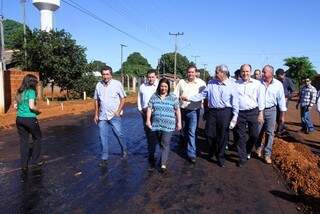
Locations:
column 71, row 181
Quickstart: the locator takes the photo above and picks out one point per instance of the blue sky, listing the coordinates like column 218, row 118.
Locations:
column 231, row 32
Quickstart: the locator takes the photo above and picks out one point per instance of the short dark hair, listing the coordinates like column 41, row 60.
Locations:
column 280, row 71
column 106, row 68
column 163, row 80
column 191, row 66
column 151, row 71
column 237, row 73
column 241, row 67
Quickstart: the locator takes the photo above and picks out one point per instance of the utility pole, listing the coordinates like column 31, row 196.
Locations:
column 23, row 4
column 122, row 76
column 195, row 59
column 175, row 52
column 2, row 66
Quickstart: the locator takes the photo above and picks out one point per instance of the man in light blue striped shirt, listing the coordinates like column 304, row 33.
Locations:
column 223, row 103
column 274, row 97
column 109, row 101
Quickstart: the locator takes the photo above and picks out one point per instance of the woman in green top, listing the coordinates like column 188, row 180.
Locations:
column 27, row 122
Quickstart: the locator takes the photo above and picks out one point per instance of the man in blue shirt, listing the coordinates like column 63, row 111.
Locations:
column 109, row 101
column 223, row 103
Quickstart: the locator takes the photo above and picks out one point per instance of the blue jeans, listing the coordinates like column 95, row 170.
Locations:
column 104, row 127
column 306, row 121
column 191, row 118
column 267, row 129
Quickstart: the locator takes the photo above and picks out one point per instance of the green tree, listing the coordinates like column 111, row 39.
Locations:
column 56, row 56
column 86, row 83
column 13, row 33
column 96, row 65
column 204, row 74
column 299, row 68
column 166, row 64
column 136, row 64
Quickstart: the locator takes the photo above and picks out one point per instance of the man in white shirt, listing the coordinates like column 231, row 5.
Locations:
column 190, row 110
column 251, row 106
column 146, row 90
column 274, row 97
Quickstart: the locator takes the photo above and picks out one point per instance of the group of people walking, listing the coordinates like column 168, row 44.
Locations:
column 246, row 105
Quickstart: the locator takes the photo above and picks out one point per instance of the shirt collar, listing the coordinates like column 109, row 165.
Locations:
column 154, row 84
column 264, row 83
column 106, row 84
column 195, row 80
column 246, row 82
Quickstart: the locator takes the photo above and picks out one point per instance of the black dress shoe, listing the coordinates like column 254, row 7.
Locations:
column 103, row 163
column 152, row 166
column 221, row 165
column 192, row 160
column 241, row 164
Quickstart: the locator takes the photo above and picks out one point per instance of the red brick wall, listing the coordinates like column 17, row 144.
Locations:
column 13, row 79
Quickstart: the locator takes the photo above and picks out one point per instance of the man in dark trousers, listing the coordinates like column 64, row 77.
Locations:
column 223, row 103
column 251, row 106
column 288, row 87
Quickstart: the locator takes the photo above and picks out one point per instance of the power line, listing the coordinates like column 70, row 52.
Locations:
column 131, row 12
column 92, row 15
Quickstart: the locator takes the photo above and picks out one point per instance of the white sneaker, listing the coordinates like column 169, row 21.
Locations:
column 259, row 152
column 268, row 159
column 163, row 169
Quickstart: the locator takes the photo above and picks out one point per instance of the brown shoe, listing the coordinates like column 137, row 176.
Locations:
column 259, row 152
column 268, row 160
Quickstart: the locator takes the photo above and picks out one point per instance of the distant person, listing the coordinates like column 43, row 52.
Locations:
column 288, row 87
column 109, row 102
column 146, row 91
column 257, row 74
column 198, row 73
column 237, row 75
column 274, row 97
column 163, row 118
column 27, row 123
column 223, row 111
column 190, row 111
column 318, row 102
column 251, row 106
column 287, row 83
column 307, row 98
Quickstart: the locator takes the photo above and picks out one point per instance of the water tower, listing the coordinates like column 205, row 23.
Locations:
column 46, row 7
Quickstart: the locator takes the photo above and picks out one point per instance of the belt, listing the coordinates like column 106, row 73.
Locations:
column 219, row 109
column 270, row 107
column 248, row 110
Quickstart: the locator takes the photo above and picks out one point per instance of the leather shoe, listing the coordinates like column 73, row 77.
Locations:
column 103, row 163
column 221, row 165
column 241, row 164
